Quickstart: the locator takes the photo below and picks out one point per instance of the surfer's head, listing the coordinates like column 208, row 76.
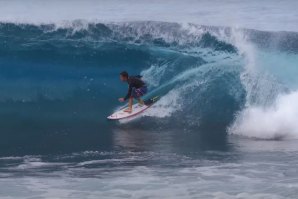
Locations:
column 123, row 76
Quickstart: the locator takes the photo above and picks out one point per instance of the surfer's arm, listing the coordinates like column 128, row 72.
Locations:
column 128, row 93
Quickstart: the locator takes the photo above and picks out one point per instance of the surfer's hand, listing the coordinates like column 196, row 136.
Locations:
column 121, row 99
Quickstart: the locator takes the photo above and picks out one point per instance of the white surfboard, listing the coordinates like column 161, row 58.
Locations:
column 136, row 109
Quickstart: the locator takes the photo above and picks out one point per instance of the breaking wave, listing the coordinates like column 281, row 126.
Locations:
column 56, row 78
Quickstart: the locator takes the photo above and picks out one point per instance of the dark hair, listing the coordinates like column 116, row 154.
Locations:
column 124, row 74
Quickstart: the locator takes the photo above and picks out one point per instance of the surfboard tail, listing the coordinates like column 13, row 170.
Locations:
column 151, row 101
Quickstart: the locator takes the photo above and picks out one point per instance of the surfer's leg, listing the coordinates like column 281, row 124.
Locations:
column 130, row 103
column 129, row 109
column 140, row 101
column 139, row 93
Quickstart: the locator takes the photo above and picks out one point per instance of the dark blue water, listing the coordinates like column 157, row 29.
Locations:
column 223, row 127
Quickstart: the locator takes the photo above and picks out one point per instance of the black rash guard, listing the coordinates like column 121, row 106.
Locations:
column 134, row 82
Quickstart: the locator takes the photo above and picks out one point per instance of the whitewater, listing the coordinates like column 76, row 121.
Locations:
column 224, row 127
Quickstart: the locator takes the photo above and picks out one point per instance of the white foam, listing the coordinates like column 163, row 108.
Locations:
column 166, row 106
column 154, row 74
column 265, row 116
column 277, row 121
column 185, row 82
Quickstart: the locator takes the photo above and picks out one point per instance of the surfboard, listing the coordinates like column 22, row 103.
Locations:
column 136, row 110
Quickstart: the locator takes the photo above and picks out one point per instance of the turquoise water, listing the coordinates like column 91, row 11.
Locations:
column 225, row 126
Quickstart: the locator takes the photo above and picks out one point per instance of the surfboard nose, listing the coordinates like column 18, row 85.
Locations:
column 111, row 117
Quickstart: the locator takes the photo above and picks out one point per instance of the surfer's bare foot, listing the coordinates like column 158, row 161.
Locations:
column 128, row 110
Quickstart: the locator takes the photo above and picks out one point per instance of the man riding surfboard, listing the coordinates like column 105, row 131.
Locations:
column 136, row 89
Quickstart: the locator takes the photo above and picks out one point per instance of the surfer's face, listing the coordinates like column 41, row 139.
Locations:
column 123, row 78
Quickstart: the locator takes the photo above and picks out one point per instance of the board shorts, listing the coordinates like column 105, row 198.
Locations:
column 139, row 92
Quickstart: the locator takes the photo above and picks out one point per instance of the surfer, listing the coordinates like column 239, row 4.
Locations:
column 136, row 89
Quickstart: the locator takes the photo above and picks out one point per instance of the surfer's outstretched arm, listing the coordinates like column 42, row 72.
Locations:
column 128, row 93
column 130, row 99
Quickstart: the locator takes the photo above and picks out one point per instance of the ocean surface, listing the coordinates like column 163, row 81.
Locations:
column 226, row 125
